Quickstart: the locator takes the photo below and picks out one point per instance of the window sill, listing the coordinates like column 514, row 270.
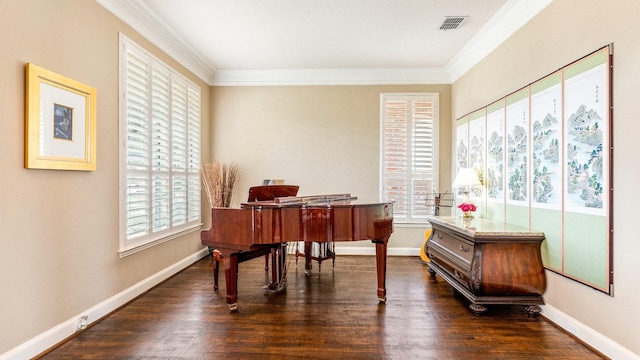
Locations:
column 133, row 250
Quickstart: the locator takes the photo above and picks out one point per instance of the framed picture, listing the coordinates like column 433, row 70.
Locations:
column 60, row 122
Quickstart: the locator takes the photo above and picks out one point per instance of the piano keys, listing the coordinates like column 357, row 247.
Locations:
column 264, row 227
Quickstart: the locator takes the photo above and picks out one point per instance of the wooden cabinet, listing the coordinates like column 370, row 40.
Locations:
column 488, row 262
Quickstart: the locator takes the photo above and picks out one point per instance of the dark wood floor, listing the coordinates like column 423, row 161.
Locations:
column 333, row 314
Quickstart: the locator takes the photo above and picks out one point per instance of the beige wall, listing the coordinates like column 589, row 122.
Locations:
column 323, row 138
column 565, row 31
column 59, row 229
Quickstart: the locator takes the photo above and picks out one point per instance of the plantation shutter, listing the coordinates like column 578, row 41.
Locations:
column 179, row 154
column 138, row 156
column 409, row 170
column 161, row 194
column 193, row 155
column 161, row 161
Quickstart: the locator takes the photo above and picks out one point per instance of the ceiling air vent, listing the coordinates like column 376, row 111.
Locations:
column 452, row 22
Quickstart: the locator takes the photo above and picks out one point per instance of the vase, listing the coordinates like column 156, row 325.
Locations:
column 467, row 215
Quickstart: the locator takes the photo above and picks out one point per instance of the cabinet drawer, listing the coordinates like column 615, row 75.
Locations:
column 457, row 246
column 459, row 273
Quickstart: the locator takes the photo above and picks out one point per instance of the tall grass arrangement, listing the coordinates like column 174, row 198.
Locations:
column 219, row 180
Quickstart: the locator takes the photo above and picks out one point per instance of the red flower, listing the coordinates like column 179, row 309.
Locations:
column 465, row 206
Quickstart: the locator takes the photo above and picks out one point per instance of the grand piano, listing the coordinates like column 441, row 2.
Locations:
column 262, row 228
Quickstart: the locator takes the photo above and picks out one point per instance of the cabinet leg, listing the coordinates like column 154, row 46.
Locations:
column 532, row 310
column 431, row 272
column 477, row 309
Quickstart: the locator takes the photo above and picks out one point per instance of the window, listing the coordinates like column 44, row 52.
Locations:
column 160, row 151
column 409, row 156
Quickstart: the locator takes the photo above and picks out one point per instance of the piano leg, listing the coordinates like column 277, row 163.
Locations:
column 231, row 276
column 381, row 266
column 217, row 258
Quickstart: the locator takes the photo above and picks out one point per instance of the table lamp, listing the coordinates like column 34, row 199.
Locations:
column 465, row 180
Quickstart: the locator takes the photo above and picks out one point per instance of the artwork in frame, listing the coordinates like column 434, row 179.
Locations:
column 546, row 142
column 586, row 129
column 495, row 152
column 477, row 143
column 60, row 122
column 462, row 150
column 462, row 143
column 517, row 137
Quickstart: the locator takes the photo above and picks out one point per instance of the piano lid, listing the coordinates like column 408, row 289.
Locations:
column 332, row 200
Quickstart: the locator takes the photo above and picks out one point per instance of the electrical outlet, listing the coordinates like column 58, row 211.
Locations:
column 573, row 329
column 83, row 322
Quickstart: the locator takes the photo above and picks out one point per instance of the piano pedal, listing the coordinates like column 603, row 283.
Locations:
column 276, row 287
column 282, row 285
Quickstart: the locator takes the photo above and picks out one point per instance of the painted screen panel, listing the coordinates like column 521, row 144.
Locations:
column 495, row 179
column 586, row 123
column 587, row 170
column 462, row 154
column 462, row 143
column 517, row 158
column 517, row 145
column 546, row 143
column 546, row 165
column 477, row 144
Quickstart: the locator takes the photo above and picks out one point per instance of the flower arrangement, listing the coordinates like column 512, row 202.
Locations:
column 219, row 180
column 467, row 208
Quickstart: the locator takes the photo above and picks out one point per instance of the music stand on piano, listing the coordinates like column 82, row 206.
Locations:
column 270, row 192
column 437, row 200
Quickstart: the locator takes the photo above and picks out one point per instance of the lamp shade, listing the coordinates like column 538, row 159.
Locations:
column 466, row 177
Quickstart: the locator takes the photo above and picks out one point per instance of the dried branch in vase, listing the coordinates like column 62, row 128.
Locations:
column 218, row 181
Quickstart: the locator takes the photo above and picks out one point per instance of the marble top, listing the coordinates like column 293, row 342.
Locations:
column 480, row 227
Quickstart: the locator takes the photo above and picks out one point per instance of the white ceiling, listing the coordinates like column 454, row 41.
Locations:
column 268, row 42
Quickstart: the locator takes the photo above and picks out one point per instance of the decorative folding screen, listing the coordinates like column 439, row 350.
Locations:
column 545, row 161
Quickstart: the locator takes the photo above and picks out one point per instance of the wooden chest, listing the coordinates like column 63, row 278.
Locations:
column 488, row 262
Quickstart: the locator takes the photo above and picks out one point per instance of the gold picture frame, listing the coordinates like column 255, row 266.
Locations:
column 60, row 122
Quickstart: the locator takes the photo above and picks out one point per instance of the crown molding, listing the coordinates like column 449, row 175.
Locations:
column 507, row 21
column 142, row 19
column 329, row 77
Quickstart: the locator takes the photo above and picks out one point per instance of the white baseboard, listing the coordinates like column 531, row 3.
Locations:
column 343, row 250
column 62, row 331
column 589, row 336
